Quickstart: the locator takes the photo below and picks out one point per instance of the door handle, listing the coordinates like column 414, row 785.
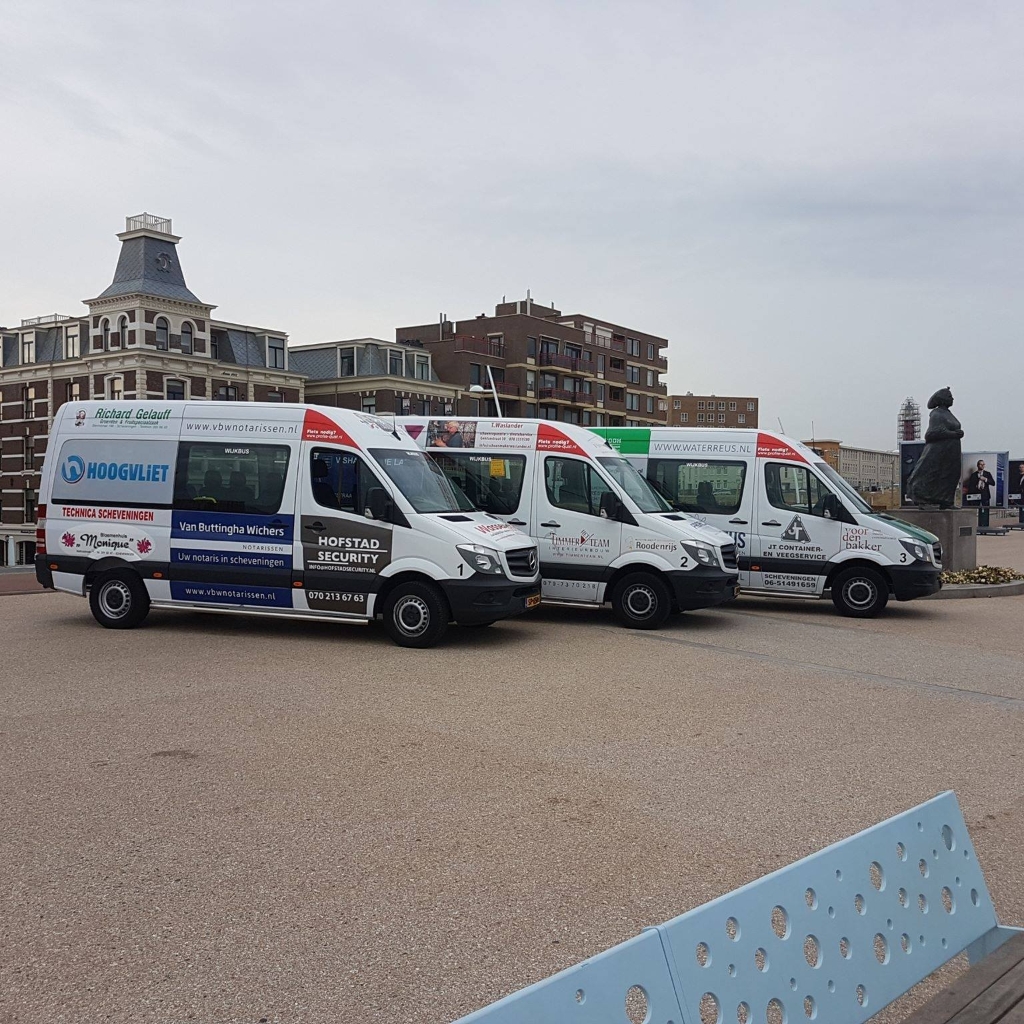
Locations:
column 515, row 522
column 772, row 522
column 555, row 525
column 741, row 522
column 316, row 527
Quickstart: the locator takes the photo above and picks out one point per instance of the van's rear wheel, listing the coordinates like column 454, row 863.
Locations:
column 860, row 592
column 416, row 615
column 642, row 600
column 119, row 599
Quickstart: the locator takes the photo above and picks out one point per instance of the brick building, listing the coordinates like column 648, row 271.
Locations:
column 692, row 410
column 373, row 375
column 574, row 368
column 146, row 336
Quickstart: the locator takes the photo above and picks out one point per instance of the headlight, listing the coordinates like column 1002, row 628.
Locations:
column 916, row 548
column 702, row 553
column 481, row 559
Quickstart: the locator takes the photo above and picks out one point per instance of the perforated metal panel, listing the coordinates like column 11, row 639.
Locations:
column 835, row 936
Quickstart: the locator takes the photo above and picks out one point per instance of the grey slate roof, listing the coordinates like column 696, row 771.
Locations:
column 371, row 361
column 318, row 363
column 242, row 347
column 10, row 350
column 149, row 266
column 48, row 346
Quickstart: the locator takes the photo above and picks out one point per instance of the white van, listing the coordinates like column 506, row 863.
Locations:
column 603, row 533
column 800, row 528
column 269, row 509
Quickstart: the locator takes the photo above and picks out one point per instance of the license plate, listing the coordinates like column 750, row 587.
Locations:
column 533, row 600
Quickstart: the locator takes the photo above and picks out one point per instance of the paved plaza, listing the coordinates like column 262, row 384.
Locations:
column 220, row 819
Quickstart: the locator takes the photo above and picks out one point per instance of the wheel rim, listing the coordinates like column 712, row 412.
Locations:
column 412, row 616
column 640, row 601
column 860, row 593
column 115, row 599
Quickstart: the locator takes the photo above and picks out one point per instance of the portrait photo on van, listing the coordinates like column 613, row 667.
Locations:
column 451, row 433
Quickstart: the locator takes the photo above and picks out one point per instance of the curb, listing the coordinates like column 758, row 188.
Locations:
column 955, row 591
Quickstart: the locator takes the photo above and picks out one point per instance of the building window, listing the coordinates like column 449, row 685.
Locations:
column 600, row 392
column 115, row 389
column 174, row 390
column 700, row 405
column 600, row 362
column 71, row 346
column 186, row 337
column 721, row 406
column 721, row 417
column 122, row 331
column 72, row 391
column 650, row 403
column 28, row 401
column 531, row 348
column 214, row 347
column 161, row 334
column 700, row 417
column 275, row 353
column 531, row 381
column 396, row 364
column 750, row 406
column 732, row 407
column 633, row 347
column 676, row 403
column 651, row 351
column 105, row 330
column 369, row 403
column 742, row 418
column 474, row 373
column 422, row 368
column 28, row 347
column 346, row 362
column 275, row 396
column 227, row 393
column 632, row 374
column 30, row 505
column 650, row 378
column 632, row 402
column 405, row 407
column 30, row 454
column 685, row 418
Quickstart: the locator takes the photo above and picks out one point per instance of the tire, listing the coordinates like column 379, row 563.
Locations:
column 860, row 592
column 119, row 599
column 642, row 600
column 416, row 615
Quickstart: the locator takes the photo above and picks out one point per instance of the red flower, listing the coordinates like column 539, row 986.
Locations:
column 68, row 540
column 145, row 546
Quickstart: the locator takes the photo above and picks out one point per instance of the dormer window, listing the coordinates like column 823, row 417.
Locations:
column 346, row 362
column 186, row 337
column 396, row 364
column 161, row 334
column 275, row 353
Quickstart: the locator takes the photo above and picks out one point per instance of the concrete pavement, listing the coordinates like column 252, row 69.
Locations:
column 221, row 819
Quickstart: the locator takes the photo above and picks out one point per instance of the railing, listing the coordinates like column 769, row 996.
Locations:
column 506, row 389
column 618, row 345
column 554, row 359
column 149, row 221
column 563, row 395
column 481, row 346
column 662, row 363
column 52, row 318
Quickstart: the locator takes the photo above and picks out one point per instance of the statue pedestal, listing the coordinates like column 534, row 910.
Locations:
column 956, row 529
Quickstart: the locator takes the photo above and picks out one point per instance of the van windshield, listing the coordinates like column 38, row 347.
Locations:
column 422, row 484
column 843, row 487
column 628, row 477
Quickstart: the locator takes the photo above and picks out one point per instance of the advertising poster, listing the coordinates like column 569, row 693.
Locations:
column 451, row 434
column 983, row 479
column 1016, row 488
column 910, row 452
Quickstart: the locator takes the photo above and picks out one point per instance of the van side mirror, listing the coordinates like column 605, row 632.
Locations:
column 611, row 506
column 378, row 504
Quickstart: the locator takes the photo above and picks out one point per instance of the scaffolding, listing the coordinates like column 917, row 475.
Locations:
column 908, row 422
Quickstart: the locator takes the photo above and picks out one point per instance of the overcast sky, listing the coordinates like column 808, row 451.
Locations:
column 818, row 204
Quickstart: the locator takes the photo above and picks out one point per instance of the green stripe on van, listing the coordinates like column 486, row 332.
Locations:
column 627, row 440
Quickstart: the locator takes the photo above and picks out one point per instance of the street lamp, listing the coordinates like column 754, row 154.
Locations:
column 479, row 389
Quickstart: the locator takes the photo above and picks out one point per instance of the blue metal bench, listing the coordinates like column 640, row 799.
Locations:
column 835, row 936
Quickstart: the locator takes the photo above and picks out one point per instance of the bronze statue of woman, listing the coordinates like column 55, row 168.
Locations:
column 936, row 476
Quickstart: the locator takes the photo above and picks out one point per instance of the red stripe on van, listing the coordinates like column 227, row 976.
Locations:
column 551, row 439
column 318, row 427
column 769, row 447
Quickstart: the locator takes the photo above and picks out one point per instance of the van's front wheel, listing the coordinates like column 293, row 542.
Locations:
column 860, row 592
column 641, row 600
column 415, row 615
column 119, row 599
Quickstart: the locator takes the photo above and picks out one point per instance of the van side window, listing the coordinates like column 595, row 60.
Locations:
column 690, row 485
column 794, row 488
column 574, row 485
column 340, row 480
column 235, row 477
column 492, row 483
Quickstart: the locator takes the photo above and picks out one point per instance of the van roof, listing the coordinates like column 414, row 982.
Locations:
column 697, row 441
column 488, row 433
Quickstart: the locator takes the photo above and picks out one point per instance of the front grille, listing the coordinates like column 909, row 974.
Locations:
column 522, row 561
column 729, row 556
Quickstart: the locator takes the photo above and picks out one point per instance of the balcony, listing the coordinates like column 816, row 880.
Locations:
column 662, row 363
column 562, row 395
column 555, row 359
column 506, row 389
column 480, row 346
column 53, row 318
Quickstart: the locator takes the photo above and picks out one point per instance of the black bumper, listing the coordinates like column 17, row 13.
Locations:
column 911, row 581
column 487, row 598
column 44, row 574
column 703, row 587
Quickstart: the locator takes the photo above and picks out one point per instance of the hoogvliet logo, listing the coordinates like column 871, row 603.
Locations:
column 75, row 468
column 72, row 469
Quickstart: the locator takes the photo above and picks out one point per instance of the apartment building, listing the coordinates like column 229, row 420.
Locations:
column 692, row 410
column 574, row 367
column 374, row 376
column 145, row 336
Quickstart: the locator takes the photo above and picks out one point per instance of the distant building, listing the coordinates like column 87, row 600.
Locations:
column 908, row 422
column 692, row 410
column 374, row 376
column 146, row 336
column 575, row 367
column 876, row 474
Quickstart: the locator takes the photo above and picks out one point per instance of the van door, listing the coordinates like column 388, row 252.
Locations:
column 575, row 541
column 796, row 541
column 342, row 549
column 713, row 492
